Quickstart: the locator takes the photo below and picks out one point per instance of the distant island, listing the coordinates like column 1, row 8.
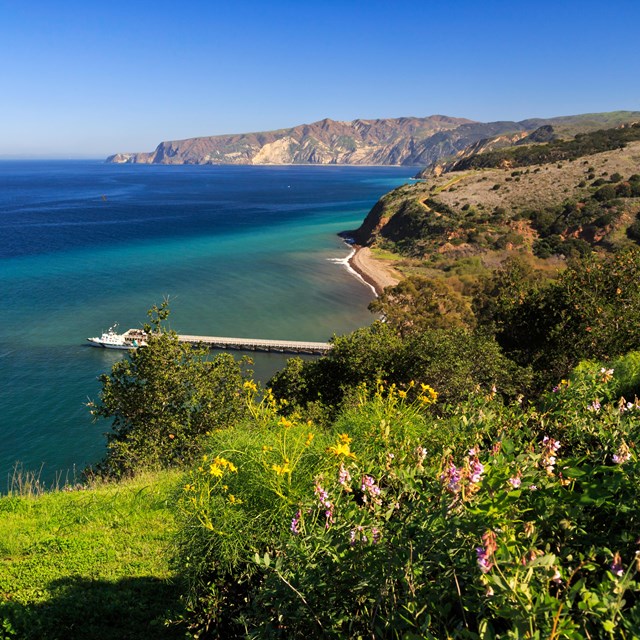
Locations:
column 391, row 141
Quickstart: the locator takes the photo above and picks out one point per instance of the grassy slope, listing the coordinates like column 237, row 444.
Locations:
column 472, row 197
column 89, row 564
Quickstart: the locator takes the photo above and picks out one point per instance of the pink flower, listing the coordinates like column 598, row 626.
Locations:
column 295, row 523
column 515, row 481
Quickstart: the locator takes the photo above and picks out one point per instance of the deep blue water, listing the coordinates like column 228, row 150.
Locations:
column 240, row 251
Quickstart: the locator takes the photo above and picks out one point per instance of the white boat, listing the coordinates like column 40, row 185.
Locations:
column 111, row 339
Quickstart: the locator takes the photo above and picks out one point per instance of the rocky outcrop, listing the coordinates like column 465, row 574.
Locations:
column 385, row 141
column 391, row 141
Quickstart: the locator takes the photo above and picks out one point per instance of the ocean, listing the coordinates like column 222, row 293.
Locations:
column 240, row 251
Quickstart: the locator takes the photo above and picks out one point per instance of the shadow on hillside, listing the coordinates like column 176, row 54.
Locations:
column 127, row 609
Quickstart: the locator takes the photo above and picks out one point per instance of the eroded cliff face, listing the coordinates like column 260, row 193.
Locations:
column 384, row 141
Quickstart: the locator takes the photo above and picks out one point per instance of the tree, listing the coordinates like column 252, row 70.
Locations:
column 418, row 303
column 592, row 311
column 163, row 398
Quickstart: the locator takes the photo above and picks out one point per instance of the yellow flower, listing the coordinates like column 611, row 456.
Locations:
column 429, row 394
column 342, row 449
column 282, row 469
column 234, row 500
column 285, row 423
column 215, row 470
column 402, row 394
column 310, row 437
column 225, row 464
column 344, row 438
column 250, row 385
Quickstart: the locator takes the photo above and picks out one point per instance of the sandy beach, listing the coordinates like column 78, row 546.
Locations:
column 377, row 273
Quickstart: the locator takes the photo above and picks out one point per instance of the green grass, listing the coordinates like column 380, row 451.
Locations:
column 90, row 563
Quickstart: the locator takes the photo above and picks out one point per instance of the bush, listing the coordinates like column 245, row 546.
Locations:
column 163, row 399
column 494, row 521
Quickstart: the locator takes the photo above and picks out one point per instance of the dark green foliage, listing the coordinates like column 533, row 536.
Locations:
column 163, row 399
column 418, row 303
column 591, row 311
column 607, row 192
column 583, row 144
column 633, row 231
column 454, row 361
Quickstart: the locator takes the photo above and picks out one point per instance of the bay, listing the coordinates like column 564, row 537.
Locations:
column 240, row 251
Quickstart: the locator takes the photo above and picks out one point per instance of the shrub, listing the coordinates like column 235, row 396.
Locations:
column 163, row 399
column 494, row 521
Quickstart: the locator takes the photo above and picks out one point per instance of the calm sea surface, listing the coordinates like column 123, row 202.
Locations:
column 240, row 251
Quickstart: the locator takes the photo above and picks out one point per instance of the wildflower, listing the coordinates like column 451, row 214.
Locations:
column 310, row 437
column 216, row 470
column 282, row 469
column 322, row 495
column 344, row 438
column 357, row 532
column 451, row 476
column 594, row 406
column 626, row 406
column 421, row 454
column 515, row 481
column 375, row 535
column 488, row 591
column 557, row 578
column 475, row 466
column 234, row 500
column 342, row 449
column 616, row 566
column 485, row 553
column 371, row 489
column 607, row 374
column 429, row 394
column 295, row 523
column 402, row 394
column 549, row 448
column 533, row 487
column 284, row 422
column 250, row 385
column 344, row 477
column 622, row 455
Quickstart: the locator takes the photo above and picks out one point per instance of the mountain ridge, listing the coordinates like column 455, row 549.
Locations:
column 410, row 141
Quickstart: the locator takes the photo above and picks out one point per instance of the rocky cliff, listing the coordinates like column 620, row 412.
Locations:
column 392, row 141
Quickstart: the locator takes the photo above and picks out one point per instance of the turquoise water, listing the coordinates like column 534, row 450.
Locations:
column 240, row 251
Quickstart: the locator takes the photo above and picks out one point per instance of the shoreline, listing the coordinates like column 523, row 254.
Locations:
column 378, row 274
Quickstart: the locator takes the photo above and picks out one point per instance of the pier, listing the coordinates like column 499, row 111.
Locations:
column 253, row 344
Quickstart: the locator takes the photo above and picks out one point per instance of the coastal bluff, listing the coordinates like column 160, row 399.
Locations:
column 408, row 141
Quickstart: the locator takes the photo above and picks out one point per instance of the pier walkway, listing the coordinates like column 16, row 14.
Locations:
column 253, row 344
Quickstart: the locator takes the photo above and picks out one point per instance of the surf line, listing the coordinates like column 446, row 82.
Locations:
column 346, row 262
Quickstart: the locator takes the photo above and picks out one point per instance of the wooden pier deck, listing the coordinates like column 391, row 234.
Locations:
column 256, row 344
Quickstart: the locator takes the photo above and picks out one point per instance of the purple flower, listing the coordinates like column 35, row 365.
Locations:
column 477, row 469
column 451, row 477
column 515, row 481
column 484, row 561
column 344, row 477
column 322, row 495
column 375, row 535
column 616, row 566
column 295, row 523
column 370, row 487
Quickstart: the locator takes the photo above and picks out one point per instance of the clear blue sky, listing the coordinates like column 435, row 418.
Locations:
column 88, row 78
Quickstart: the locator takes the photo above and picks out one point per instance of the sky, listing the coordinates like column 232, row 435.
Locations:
column 89, row 79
